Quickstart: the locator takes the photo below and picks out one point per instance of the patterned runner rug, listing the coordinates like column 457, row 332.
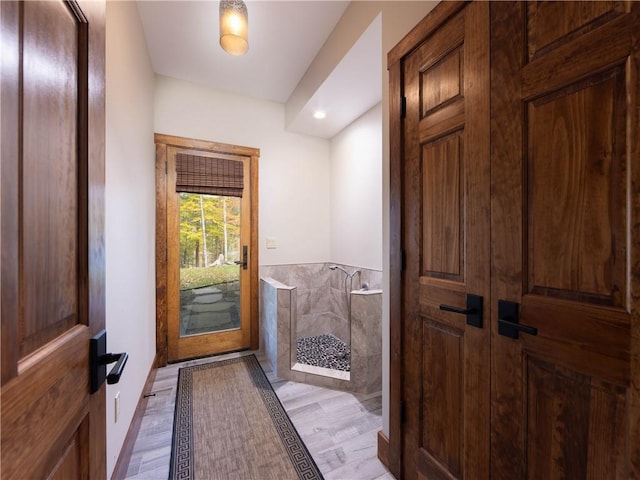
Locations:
column 229, row 424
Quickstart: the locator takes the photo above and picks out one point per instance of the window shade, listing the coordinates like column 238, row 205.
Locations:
column 212, row 176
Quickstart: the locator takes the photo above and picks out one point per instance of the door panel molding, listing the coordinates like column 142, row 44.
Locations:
column 164, row 145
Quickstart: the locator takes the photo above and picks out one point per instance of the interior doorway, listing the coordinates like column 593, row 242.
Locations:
column 206, row 248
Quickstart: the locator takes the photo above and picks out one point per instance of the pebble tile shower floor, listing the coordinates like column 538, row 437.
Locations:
column 326, row 351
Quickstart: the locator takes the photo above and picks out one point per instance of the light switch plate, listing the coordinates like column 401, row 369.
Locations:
column 272, row 242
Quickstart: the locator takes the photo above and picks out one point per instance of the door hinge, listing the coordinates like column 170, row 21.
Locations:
column 166, row 168
column 403, row 411
column 403, row 260
column 403, row 107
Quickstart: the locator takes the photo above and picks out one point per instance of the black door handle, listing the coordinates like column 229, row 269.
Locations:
column 508, row 321
column 244, row 262
column 118, row 368
column 461, row 311
column 513, row 328
column 473, row 310
column 99, row 359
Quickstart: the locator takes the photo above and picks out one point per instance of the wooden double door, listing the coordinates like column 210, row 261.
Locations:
column 516, row 196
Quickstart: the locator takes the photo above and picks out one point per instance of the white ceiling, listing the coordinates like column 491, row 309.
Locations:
column 354, row 86
column 284, row 38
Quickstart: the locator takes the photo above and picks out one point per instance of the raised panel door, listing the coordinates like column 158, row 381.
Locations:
column 565, row 171
column 445, row 193
column 52, row 279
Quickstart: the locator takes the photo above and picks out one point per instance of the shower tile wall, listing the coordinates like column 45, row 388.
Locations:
column 366, row 339
column 277, row 314
column 269, row 320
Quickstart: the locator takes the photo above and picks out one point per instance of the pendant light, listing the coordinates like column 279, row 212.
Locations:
column 234, row 26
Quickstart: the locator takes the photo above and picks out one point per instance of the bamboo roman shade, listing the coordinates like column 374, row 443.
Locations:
column 209, row 175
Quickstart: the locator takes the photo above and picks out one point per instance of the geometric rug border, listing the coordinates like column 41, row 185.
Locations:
column 182, row 451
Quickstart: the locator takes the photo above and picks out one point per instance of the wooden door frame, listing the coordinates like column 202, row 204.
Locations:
column 162, row 142
column 395, row 58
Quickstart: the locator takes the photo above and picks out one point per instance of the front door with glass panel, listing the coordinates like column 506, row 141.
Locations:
column 208, row 226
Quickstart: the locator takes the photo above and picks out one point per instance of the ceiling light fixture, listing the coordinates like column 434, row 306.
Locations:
column 319, row 115
column 234, row 27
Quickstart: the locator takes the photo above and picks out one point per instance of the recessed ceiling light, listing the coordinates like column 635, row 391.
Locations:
column 319, row 115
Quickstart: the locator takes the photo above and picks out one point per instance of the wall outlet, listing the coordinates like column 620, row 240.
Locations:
column 272, row 242
column 116, row 407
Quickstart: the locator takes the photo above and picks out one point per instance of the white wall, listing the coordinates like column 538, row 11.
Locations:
column 398, row 18
column 293, row 169
column 130, row 214
column 356, row 192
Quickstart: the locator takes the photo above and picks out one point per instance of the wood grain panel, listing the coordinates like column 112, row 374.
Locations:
column 39, row 395
column 409, row 291
column 383, row 449
column 254, row 248
column 206, row 145
column 442, row 389
column 551, row 23
column 576, row 208
column 444, row 121
column 94, row 438
column 172, row 259
column 442, row 82
column 593, row 341
column 575, row 424
column 70, row 464
column 633, row 146
column 507, row 37
column 581, row 58
column 50, row 174
column 162, row 354
column 435, row 19
column 443, row 208
column 9, row 186
column 395, row 272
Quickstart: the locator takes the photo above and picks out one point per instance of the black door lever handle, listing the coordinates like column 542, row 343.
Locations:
column 504, row 324
column 473, row 311
column 116, row 371
column 245, row 259
column 99, row 359
column 509, row 320
column 461, row 311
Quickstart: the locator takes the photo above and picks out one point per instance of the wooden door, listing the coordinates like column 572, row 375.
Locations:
column 564, row 233
column 52, row 244
column 218, row 315
column 445, row 238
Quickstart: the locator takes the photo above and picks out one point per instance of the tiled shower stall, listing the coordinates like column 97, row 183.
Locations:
column 304, row 306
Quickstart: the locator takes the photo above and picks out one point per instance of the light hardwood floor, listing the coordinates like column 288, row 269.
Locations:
column 339, row 428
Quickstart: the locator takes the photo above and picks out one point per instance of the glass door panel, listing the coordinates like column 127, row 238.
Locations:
column 210, row 263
